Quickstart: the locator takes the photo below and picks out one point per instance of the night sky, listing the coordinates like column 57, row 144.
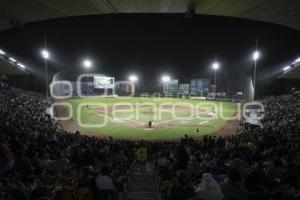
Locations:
column 153, row 44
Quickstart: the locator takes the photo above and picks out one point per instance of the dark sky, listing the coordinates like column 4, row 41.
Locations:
column 152, row 44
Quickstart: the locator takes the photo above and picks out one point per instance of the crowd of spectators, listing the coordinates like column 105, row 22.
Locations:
column 261, row 163
column 39, row 160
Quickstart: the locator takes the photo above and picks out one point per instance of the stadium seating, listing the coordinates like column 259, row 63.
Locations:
column 39, row 160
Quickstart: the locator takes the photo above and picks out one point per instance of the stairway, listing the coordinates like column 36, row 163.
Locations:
column 143, row 185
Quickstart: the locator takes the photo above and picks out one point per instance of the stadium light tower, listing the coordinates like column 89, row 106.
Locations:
column 87, row 64
column 46, row 55
column 21, row 65
column 12, row 59
column 166, row 80
column 296, row 61
column 133, row 78
column 286, row 68
column 255, row 57
column 215, row 67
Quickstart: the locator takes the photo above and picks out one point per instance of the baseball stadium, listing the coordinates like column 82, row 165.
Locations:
column 150, row 100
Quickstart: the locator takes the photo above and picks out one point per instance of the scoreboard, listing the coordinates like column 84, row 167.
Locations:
column 104, row 82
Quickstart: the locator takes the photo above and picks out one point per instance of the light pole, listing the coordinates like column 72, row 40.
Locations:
column 133, row 78
column 255, row 57
column 46, row 55
column 215, row 67
column 166, row 80
column 87, row 64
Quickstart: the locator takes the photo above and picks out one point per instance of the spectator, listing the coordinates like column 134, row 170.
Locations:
column 209, row 189
column 232, row 187
column 181, row 191
column 105, row 181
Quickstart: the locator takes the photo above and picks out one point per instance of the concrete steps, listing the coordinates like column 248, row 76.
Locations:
column 142, row 185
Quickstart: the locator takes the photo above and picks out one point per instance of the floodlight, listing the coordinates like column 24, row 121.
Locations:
column 87, row 63
column 133, row 78
column 45, row 54
column 2, row 52
column 166, row 78
column 21, row 65
column 297, row 60
column 286, row 68
column 12, row 59
column 256, row 55
column 215, row 66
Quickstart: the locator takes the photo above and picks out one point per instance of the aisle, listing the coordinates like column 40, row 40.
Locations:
column 143, row 185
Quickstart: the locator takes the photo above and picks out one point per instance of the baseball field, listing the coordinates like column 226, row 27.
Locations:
column 149, row 118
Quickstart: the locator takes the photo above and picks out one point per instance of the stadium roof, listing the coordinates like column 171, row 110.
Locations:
column 293, row 73
column 9, row 68
column 15, row 13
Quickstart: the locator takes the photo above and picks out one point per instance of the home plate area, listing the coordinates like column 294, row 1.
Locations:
column 150, row 118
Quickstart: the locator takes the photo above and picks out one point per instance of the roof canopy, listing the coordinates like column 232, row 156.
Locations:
column 293, row 73
column 18, row 12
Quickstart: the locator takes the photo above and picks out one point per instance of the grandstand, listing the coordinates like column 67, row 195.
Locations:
column 92, row 134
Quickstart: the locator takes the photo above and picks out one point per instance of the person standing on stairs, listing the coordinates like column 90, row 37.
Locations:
column 142, row 156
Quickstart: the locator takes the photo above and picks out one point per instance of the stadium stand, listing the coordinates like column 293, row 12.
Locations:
column 39, row 160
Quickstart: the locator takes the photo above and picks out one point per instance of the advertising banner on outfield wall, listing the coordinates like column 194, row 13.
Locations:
column 200, row 86
column 184, row 88
column 173, row 86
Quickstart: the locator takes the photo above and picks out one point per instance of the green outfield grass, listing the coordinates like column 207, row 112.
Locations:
column 161, row 111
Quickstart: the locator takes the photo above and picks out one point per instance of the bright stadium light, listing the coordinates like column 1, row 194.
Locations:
column 87, row 63
column 256, row 55
column 133, row 78
column 165, row 79
column 215, row 66
column 21, row 65
column 286, row 68
column 12, row 59
column 297, row 60
column 45, row 54
column 2, row 52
